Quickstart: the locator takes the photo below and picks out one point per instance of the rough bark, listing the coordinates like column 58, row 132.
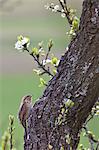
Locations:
column 77, row 79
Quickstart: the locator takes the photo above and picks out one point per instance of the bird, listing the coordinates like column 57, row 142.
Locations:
column 24, row 109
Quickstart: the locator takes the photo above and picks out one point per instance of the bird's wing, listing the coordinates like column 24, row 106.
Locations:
column 22, row 112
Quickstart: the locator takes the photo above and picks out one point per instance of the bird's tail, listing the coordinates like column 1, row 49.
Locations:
column 25, row 127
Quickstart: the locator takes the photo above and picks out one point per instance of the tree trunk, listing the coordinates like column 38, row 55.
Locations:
column 51, row 124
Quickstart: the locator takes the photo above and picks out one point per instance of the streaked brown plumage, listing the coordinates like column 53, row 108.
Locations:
column 24, row 109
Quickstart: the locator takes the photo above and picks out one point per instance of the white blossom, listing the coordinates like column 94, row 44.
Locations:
column 47, row 61
column 62, row 10
column 97, row 106
column 57, row 63
column 56, row 7
column 97, row 113
column 22, row 41
column 52, row 4
column 62, row 1
column 63, row 15
column 40, row 44
column 41, row 49
column 67, row 48
column 18, row 45
column 47, row 6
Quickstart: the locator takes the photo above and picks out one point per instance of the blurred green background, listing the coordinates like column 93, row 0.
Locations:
column 28, row 18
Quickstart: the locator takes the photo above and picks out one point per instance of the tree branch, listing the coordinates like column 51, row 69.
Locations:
column 40, row 64
column 66, row 11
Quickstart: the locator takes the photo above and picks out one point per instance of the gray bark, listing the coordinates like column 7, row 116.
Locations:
column 77, row 79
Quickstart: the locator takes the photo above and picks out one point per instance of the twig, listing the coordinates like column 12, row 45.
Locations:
column 91, row 117
column 91, row 144
column 11, row 141
column 42, row 73
column 5, row 140
column 40, row 64
column 53, row 8
column 11, row 129
column 91, row 139
column 64, row 1
column 66, row 11
column 97, row 146
column 49, row 49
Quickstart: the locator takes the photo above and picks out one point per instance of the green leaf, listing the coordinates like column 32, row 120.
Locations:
column 37, row 71
column 20, row 37
column 54, row 60
column 35, row 51
column 40, row 44
column 54, row 71
column 68, row 103
column 42, row 82
column 75, row 23
column 50, row 44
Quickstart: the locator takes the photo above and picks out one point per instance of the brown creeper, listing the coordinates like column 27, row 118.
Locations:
column 25, row 109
